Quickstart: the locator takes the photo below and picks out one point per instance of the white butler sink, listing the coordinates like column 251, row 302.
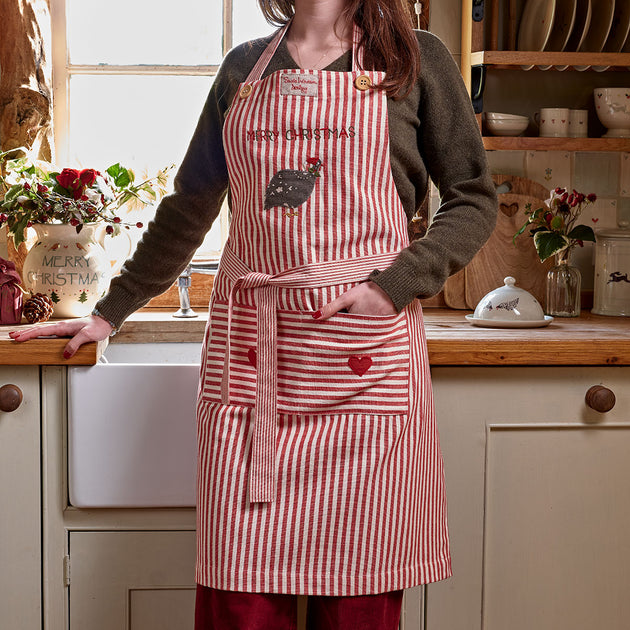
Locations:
column 132, row 427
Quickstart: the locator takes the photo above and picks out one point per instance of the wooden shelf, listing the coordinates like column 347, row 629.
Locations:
column 508, row 143
column 521, row 59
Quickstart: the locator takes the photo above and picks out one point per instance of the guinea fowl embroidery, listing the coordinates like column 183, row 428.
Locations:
column 291, row 188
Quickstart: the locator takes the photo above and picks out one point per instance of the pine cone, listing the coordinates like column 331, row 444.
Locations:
column 38, row 308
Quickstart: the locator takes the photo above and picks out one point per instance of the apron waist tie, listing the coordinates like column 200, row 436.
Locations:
column 262, row 472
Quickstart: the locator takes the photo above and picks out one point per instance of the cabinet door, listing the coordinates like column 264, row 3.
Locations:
column 132, row 580
column 538, row 488
column 20, row 548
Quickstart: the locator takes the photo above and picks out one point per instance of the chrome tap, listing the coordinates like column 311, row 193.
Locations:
column 184, row 281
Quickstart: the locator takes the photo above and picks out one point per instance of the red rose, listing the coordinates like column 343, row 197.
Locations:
column 69, row 178
column 88, row 176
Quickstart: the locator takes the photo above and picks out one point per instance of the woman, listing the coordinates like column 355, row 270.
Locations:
column 319, row 465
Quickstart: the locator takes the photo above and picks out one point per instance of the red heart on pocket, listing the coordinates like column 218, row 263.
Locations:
column 360, row 365
column 251, row 355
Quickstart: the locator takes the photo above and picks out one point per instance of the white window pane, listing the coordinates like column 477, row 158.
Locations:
column 143, row 122
column 132, row 32
column 248, row 21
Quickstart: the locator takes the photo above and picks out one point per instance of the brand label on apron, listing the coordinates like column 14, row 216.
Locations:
column 299, row 85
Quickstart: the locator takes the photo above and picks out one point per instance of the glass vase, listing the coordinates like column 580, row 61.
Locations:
column 563, row 287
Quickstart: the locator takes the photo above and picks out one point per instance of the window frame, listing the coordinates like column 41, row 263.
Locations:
column 63, row 69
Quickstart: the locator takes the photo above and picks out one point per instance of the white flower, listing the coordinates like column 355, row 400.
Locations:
column 93, row 196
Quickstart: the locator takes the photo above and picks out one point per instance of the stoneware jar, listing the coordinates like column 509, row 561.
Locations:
column 612, row 272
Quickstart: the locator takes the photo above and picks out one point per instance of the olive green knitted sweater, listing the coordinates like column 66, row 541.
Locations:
column 433, row 134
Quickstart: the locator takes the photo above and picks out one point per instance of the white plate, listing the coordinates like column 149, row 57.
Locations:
column 536, row 24
column 580, row 28
column 563, row 20
column 497, row 323
column 601, row 22
column 581, row 25
column 620, row 28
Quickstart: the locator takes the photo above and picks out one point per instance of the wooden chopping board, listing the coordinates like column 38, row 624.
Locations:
column 455, row 287
column 455, row 290
column 500, row 257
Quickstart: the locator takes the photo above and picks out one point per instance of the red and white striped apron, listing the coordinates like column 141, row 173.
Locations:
column 319, row 464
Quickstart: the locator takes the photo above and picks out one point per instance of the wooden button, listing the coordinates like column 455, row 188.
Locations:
column 246, row 90
column 363, row 82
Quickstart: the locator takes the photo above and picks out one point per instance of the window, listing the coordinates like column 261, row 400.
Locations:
column 131, row 77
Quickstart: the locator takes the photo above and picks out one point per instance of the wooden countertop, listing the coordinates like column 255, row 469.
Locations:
column 451, row 340
column 585, row 340
column 45, row 351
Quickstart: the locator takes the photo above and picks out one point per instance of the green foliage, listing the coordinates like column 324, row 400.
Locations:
column 549, row 243
column 34, row 192
column 553, row 226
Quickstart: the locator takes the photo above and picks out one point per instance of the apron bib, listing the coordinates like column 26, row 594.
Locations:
column 319, row 464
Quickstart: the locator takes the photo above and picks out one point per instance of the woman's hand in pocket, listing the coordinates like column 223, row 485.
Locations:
column 366, row 298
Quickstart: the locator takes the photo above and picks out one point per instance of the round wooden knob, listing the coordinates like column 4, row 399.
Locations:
column 10, row 398
column 600, row 398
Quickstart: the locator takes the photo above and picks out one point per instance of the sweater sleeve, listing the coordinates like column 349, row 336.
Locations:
column 451, row 147
column 183, row 217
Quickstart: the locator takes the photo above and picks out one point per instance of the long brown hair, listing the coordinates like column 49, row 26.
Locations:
column 388, row 41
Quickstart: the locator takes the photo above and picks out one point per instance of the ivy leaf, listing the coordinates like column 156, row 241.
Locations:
column 122, row 177
column 549, row 243
column 17, row 229
column 582, row 233
column 557, row 223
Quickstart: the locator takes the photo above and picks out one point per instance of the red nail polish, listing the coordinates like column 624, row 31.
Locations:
column 317, row 314
column 66, row 354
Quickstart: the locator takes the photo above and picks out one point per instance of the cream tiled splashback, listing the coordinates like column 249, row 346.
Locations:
column 607, row 174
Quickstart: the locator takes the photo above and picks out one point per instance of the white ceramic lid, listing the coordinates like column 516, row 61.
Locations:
column 509, row 303
column 622, row 232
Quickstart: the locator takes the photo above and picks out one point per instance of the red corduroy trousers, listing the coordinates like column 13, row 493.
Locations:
column 229, row 610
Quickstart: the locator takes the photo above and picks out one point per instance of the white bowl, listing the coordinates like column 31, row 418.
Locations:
column 501, row 116
column 613, row 110
column 507, row 126
column 509, row 304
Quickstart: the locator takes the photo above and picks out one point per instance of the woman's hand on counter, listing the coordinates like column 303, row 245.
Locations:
column 83, row 330
column 366, row 298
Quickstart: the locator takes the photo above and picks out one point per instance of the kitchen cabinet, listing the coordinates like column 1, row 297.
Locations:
column 538, row 488
column 20, row 534
column 106, row 569
column 482, row 57
column 134, row 580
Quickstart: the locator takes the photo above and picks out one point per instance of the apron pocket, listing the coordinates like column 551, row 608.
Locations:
column 346, row 364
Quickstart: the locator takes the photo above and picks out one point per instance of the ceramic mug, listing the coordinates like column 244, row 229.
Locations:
column 578, row 123
column 553, row 122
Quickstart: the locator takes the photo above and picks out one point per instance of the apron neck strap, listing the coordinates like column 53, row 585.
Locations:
column 272, row 47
